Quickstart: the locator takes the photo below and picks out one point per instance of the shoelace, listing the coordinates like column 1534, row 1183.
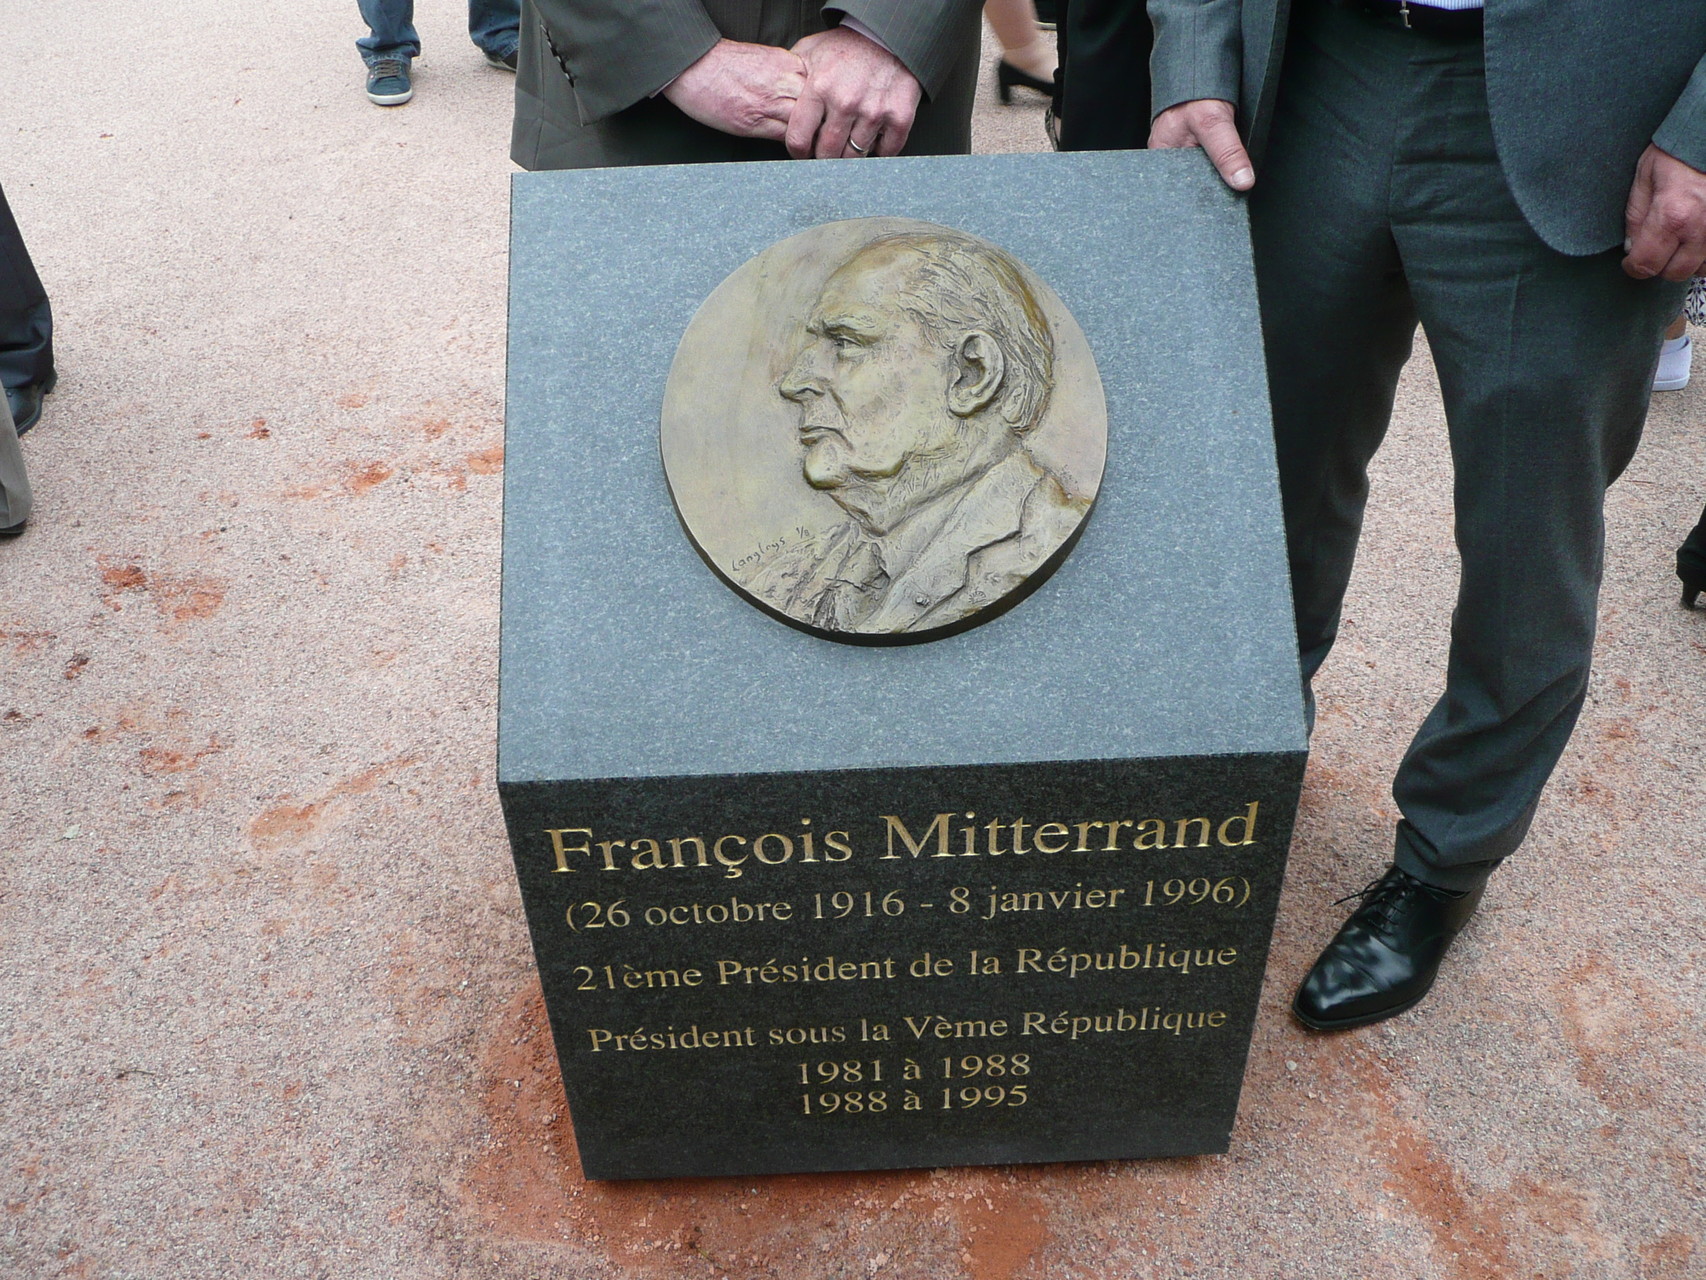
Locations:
column 1377, row 897
column 385, row 68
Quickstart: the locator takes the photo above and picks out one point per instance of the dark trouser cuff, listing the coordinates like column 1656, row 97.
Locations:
column 1415, row 856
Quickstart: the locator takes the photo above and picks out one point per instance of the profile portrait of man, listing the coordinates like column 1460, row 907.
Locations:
column 926, row 361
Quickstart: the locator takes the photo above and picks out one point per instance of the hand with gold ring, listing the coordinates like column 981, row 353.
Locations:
column 853, row 86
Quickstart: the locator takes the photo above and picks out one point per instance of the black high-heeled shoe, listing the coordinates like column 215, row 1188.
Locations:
column 1691, row 564
column 1007, row 76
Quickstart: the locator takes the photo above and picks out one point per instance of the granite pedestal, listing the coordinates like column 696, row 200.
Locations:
column 1004, row 896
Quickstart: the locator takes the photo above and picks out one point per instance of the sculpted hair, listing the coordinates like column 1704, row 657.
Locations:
column 959, row 283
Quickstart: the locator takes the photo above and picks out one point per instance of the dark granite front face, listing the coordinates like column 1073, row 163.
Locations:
column 648, row 713
column 883, row 968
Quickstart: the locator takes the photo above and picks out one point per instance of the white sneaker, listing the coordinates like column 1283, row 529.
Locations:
column 1675, row 358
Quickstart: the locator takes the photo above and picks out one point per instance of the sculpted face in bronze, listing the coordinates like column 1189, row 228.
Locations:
column 890, row 412
column 922, row 364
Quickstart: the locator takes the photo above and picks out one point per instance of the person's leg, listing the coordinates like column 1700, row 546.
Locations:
column 1691, row 563
column 495, row 26
column 14, row 484
column 1337, row 319
column 390, row 30
column 1676, row 357
column 1024, row 47
column 1104, row 102
column 26, row 319
column 1545, row 363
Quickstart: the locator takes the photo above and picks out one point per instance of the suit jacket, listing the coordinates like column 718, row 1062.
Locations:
column 588, row 70
column 1576, row 89
column 992, row 535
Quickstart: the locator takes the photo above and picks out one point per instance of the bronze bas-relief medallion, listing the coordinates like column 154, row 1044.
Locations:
column 883, row 431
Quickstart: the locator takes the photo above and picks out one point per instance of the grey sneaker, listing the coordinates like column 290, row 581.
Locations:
column 502, row 61
column 388, row 82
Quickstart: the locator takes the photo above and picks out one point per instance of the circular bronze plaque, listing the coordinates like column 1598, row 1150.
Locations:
column 883, row 431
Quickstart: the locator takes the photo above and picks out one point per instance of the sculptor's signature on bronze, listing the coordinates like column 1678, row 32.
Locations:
column 919, row 372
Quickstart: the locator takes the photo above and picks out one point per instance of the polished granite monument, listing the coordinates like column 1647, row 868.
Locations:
column 900, row 729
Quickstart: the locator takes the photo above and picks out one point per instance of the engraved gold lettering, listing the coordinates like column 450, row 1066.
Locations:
column 1052, row 831
column 562, row 850
column 1084, row 835
column 1248, row 818
column 1179, row 832
column 787, row 846
column 1019, row 836
column 734, row 871
column 938, row 829
column 649, row 858
column 1114, row 835
column 838, row 850
column 1151, row 834
column 927, row 966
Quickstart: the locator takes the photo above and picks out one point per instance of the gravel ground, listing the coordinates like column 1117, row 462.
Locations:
column 269, row 1006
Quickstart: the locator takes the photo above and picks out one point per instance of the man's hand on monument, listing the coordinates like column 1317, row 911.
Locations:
column 748, row 90
column 1208, row 123
column 859, row 98
column 1665, row 221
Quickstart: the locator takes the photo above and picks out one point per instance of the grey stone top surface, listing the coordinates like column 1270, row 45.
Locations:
column 1167, row 631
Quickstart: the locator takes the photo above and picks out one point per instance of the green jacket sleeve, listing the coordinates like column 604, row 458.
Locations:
column 619, row 52
column 1683, row 133
column 926, row 35
column 1197, row 52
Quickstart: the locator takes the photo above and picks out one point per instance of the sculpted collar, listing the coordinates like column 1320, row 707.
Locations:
column 928, row 556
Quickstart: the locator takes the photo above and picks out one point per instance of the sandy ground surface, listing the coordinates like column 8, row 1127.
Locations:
column 269, row 1007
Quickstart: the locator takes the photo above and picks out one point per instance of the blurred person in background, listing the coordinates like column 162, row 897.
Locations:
column 391, row 44
column 1691, row 555
column 14, row 484
column 1102, row 102
column 1027, row 55
column 26, row 327
column 1676, row 356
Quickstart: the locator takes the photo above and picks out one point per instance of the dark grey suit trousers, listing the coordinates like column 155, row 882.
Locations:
column 1381, row 202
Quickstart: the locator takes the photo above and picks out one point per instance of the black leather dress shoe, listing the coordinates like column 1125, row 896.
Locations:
column 25, row 401
column 1384, row 958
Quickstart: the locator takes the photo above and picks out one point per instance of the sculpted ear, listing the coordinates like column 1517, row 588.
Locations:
column 979, row 369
